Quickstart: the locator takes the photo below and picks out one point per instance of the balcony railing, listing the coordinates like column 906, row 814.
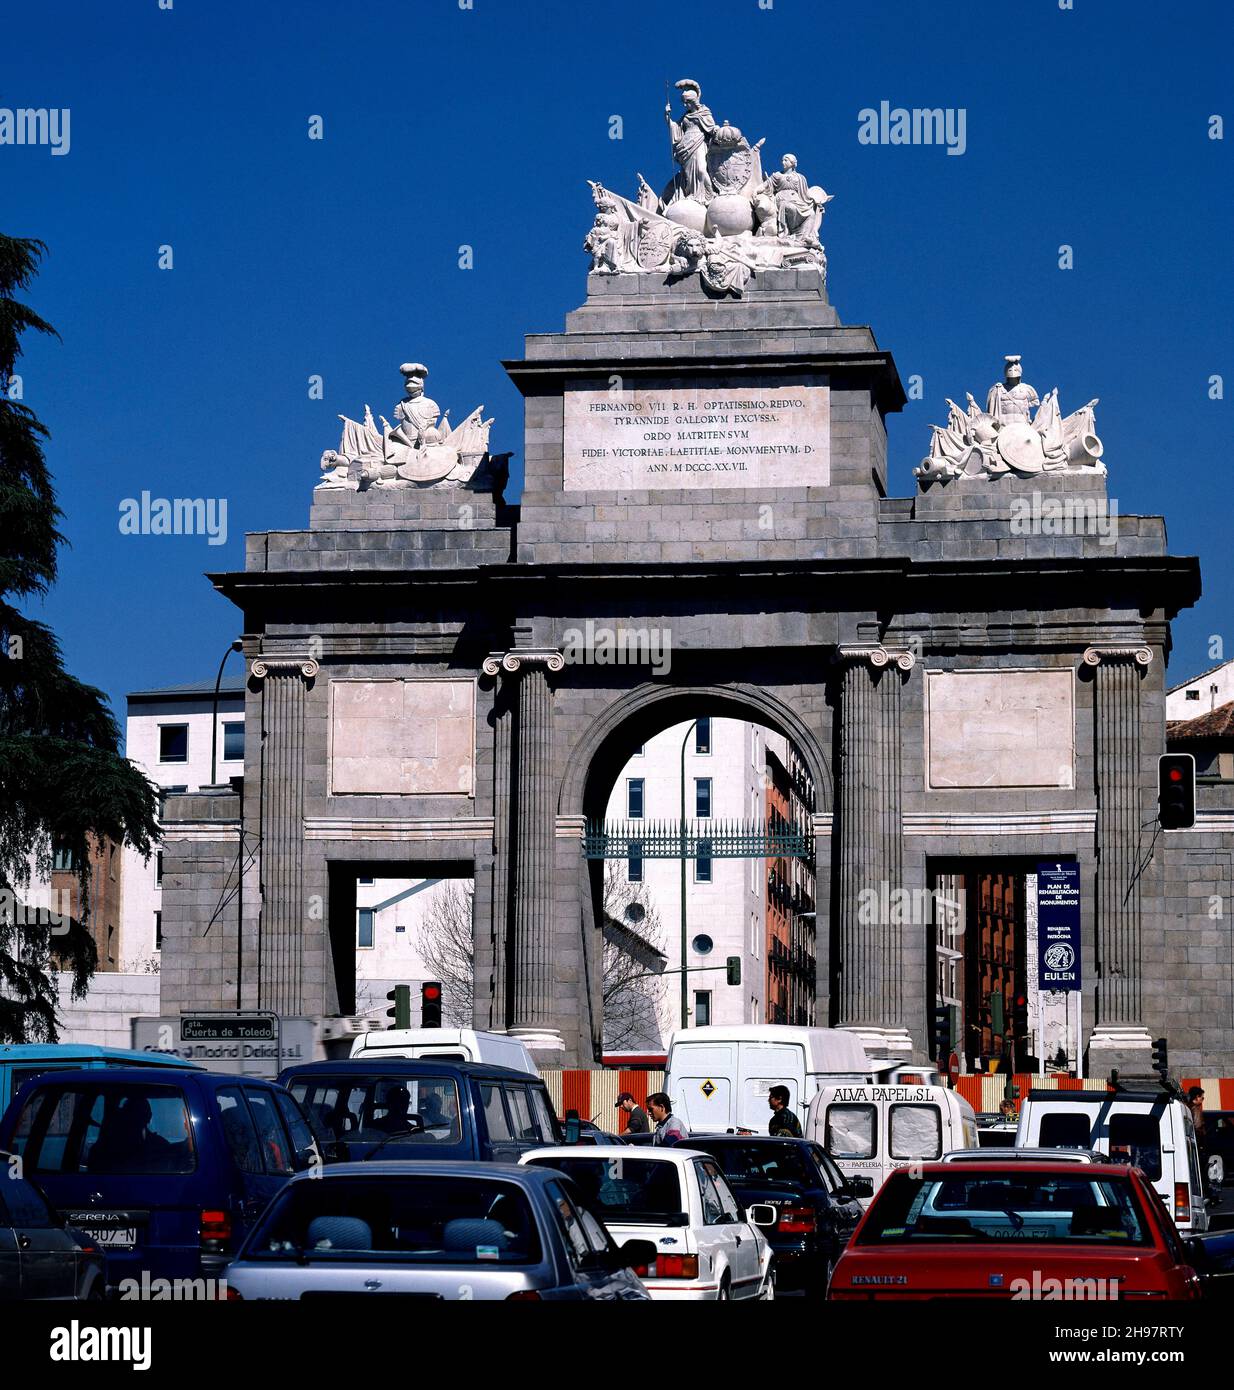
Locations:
column 699, row 839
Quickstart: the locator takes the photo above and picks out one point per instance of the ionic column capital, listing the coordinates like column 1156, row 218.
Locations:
column 877, row 656
column 522, row 658
column 264, row 666
column 1138, row 653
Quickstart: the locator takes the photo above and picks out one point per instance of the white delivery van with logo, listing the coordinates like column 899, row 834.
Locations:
column 719, row 1076
column 451, row 1044
column 1147, row 1126
column 870, row 1130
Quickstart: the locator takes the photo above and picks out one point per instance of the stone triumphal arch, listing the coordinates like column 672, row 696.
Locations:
column 438, row 679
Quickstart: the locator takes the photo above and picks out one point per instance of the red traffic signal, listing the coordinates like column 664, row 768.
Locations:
column 430, row 1004
column 1176, row 791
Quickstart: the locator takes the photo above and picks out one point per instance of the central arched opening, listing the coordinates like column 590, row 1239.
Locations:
column 699, row 810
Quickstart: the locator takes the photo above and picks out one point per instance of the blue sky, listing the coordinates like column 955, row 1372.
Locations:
column 443, row 127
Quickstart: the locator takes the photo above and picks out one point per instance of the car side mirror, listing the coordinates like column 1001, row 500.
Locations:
column 573, row 1127
column 762, row 1214
column 637, row 1254
column 859, row 1187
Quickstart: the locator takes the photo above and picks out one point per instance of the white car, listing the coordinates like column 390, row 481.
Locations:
column 707, row 1246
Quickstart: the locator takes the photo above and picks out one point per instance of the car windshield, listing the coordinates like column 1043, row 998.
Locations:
column 374, row 1109
column 624, row 1189
column 107, row 1128
column 770, row 1162
column 1003, row 1205
column 422, row 1220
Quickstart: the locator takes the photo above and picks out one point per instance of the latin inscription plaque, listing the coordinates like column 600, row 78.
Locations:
column 697, row 437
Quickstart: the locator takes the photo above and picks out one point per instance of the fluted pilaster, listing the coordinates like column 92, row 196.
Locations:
column 525, row 845
column 1117, row 673
column 869, row 812
column 280, row 941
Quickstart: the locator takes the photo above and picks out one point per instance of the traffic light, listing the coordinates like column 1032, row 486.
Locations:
column 430, row 1004
column 1176, row 791
column 1161, row 1059
column 734, row 970
column 941, row 1033
column 401, row 1012
column 998, row 1023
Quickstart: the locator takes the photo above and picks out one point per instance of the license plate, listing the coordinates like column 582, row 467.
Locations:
column 112, row 1237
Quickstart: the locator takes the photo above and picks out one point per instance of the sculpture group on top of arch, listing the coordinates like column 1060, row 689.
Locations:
column 718, row 216
column 1007, row 437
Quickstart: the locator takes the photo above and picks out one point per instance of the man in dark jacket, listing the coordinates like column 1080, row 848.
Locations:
column 636, row 1116
column 784, row 1123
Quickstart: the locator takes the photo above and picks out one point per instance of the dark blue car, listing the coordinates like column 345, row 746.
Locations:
column 427, row 1109
column 165, row 1171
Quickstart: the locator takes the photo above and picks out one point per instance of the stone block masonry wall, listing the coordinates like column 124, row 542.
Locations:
column 104, row 1016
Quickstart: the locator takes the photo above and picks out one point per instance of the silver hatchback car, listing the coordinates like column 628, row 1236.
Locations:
column 434, row 1230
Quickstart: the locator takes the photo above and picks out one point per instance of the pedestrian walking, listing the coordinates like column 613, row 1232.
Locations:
column 636, row 1116
column 783, row 1124
column 669, row 1129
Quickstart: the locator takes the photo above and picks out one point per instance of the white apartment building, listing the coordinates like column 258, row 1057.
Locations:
column 724, row 765
column 168, row 736
column 393, row 916
column 1201, row 694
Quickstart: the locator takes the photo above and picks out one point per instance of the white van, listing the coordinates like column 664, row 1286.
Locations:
column 719, row 1076
column 1149, row 1127
column 871, row 1130
column 453, row 1044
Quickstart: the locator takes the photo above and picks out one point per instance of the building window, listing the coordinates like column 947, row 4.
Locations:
column 164, row 793
column 634, row 866
column 158, row 869
column 702, row 735
column 1192, row 694
column 702, row 1008
column 702, row 797
column 634, row 798
column 233, row 742
column 173, row 743
column 158, row 931
column 364, row 928
column 63, row 858
column 702, row 865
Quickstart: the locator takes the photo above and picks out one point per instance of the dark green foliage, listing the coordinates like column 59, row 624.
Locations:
column 62, row 777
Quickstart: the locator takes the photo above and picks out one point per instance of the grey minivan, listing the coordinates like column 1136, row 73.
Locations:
column 435, row 1231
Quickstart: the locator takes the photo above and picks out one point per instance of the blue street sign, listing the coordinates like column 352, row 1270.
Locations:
column 1058, row 926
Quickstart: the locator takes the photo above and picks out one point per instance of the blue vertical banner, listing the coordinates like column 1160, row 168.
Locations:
column 1058, row 926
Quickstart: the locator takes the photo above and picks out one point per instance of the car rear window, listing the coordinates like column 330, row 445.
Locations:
column 624, row 1189
column 769, row 1162
column 370, row 1109
column 425, row 1220
column 852, row 1131
column 1000, row 1205
column 1136, row 1139
column 108, row 1128
column 915, row 1131
column 1065, row 1130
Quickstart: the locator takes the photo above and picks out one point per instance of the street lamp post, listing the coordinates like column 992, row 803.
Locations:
column 236, row 646
column 685, row 988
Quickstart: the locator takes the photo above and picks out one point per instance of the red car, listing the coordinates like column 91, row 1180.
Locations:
column 1046, row 1230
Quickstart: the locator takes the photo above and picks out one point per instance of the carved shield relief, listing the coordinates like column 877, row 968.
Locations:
column 730, row 167
column 655, row 244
